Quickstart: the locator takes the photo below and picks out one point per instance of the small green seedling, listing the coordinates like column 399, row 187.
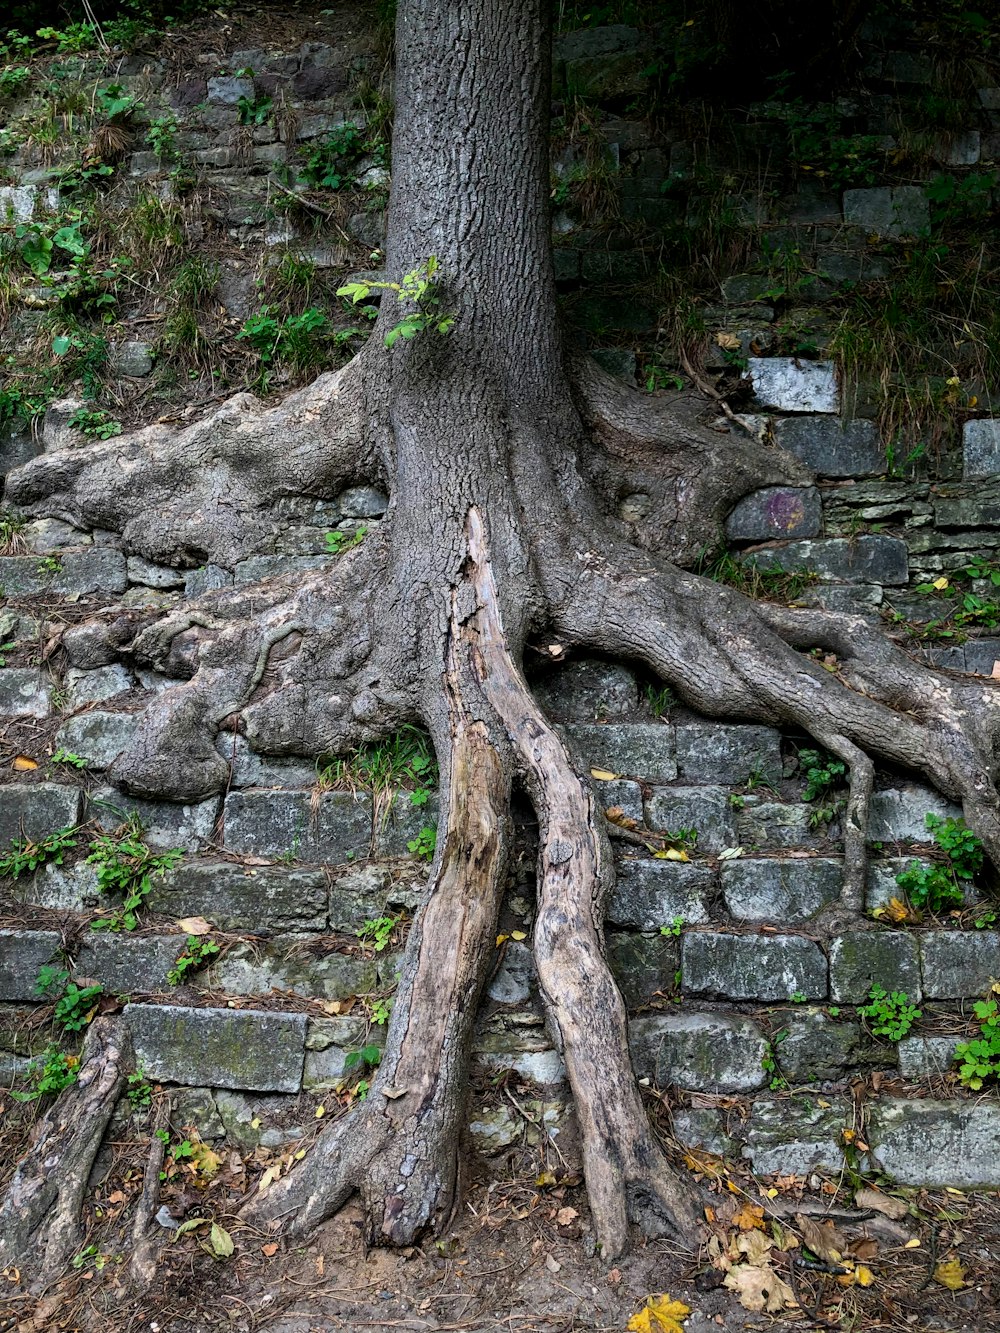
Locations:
column 889, row 1014
column 979, row 1059
column 195, row 954
column 25, row 856
column 424, row 844
column 378, row 932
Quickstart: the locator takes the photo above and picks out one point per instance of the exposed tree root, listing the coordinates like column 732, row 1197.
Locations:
column 142, row 1265
column 40, row 1215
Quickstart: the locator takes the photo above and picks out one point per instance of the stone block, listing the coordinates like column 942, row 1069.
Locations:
column 17, row 202
column 981, row 656
column 857, row 599
column 643, row 965
column 220, row 1048
column 617, row 361
column 32, row 811
column 96, row 736
column 833, row 446
column 619, row 794
column 22, row 954
column 78, row 573
column 604, row 40
column 275, row 566
column 817, row 1047
column 402, row 823
column 207, row 579
column 701, row 1128
column 639, row 749
column 790, row 385
column 867, row 559
column 285, row 964
column 898, row 814
column 227, row 90
column 957, row 963
column 60, row 888
column 515, row 979
column 937, row 1144
column 517, row 1041
column 706, row 809
column 586, row 690
column 363, row 892
column 981, row 448
column 798, row 1136
column 762, row 823
column 718, row 752
column 782, row 890
column 249, row 769
column 903, row 211
column 926, row 1057
column 329, row 1041
column 153, row 576
column 867, row 958
column 956, row 148
column 52, row 534
column 134, row 359
column 776, row 511
column 363, row 502
column 716, row 1053
column 285, row 823
column 129, row 964
column 622, row 74
column 17, row 447
column 241, row 898
column 753, row 967
column 650, row 893
column 24, row 692
column 166, row 823
column 881, row 884
column 94, row 687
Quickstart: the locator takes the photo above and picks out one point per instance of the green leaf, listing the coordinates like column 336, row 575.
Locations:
column 221, row 1242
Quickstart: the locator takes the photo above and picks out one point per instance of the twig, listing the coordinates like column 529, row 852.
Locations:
column 711, row 391
column 316, row 208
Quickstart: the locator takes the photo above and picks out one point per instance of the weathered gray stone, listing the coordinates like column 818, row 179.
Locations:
column 699, row 1052
column 650, row 893
column 207, row 579
column 617, row 361
column 763, row 823
column 797, row 1136
column 52, row 534
column 981, row 656
column 236, row 897
column 587, row 690
column 134, row 359
column 60, row 888
column 22, row 954
column 790, row 385
column 77, row 573
column 17, row 447
column 867, row 559
column 867, row 958
column 219, row 1048
column 329, row 1042
column 818, row 1047
column 515, row 978
column 275, row 566
column 832, row 446
column 24, row 692
column 717, row 752
column 937, row 1144
column 362, row 502
column 498, row 1127
column 981, row 448
column 129, row 964
column 17, row 202
column 166, row 823
column 701, row 1128
column 706, row 809
column 195, row 1108
column 153, row 576
column 250, row 769
column 286, row 964
column 32, row 811
column 94, row 687
column 902, row 211
column 643, row 965
column 926, row 1057
column 956, row 148
column 776, row 511
column 881, row 884
column 141, row 598
column 857, row 599
column 619, row 794
column 605, row 40
column 640, row 749
column 364, row 892
column 898, row 814
column 753, row 967
column 228, row 90
column 959, row 963
column 280, row 823
column 792, row 891
column 96, row 736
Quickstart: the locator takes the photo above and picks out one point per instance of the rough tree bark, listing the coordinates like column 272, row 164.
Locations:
column 505, row 459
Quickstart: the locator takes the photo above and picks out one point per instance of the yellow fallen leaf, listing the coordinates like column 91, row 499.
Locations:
column 518, row 935
column 750, row 1215
column 546, row 1179
column 863, row 1275
column 320, row 1112
column 672, row 854
column 950, row 1274
column 22, row 764
column 660, row 1314
column 502, row 939
column 728, row 340
column 940, row 584
column 220, row 1241
column 205, row 1160
column 913, row 1244
column 195, row 925
column 603, row 775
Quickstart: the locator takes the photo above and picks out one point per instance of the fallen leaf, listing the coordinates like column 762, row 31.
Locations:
column 730, row 853
column 205, row 1160
column 393, row 1093
column 729, row 341
column 822, row 1238
column 221, row 1241
column 270, row 1249
column 867, row 1248
column 940, row 584
column 672, row 854
column 913, row 1244
column 269, row 1177
column 881, row 1203
column 756, row 1246
column 553, row 1265
column 22, row 764
column 190, row 1225
column 195, row 925
column 603, row 775
column 565, row 1216
column 615, row 1276
column 950, row 1274
column 660, row 1314
column 320, row 1112
column 546, row 1180
column 518, row 935
column 759, row 1289
column 750, row 1215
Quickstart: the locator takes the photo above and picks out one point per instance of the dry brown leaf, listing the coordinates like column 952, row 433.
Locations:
column 565, row 1216
column 270, row 1249
column 756, row 1246
column 195, row 925
column 822, row 1238
column 24, row 764
column 759, row 1289
column 750, row 1215
column 881, row 1203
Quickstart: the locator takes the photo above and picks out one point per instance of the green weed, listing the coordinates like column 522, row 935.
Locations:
column 889, row 1014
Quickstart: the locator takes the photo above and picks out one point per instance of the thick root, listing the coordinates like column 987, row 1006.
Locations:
column 40, row 1216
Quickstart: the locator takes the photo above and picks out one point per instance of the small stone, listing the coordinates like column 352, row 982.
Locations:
column 937, row 1144
column 249, row 769
column 126, row 964
column 94, row 687
column 780, row 890
column 903, row 211
column 715, row 1053
column 701, row 1128
column 166, row 824
column 639, row 749
column 141, row 598
column 981, row 448
column 195, row 1108
column 866, row 559
column 220, row 1048
column 762, row 823
column 153, row 576
column 958, row 964
column 281, row 964
column 753, row 967
column 832, row 446
column 863, row 959
column 794, row 386
column 776, row 511
column 37, row 810
column 588, row 689
column 926, row 1057
column 515, row 979
column 235, row 897
column 617, row 361
column 228, row 90
column 22, row 954
column 362, row 502
column 97, row 737
column 24, row 692
column 705, row 809
column 134, row 359
column 717, row 752
column 649, row 894
column 956, row 148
